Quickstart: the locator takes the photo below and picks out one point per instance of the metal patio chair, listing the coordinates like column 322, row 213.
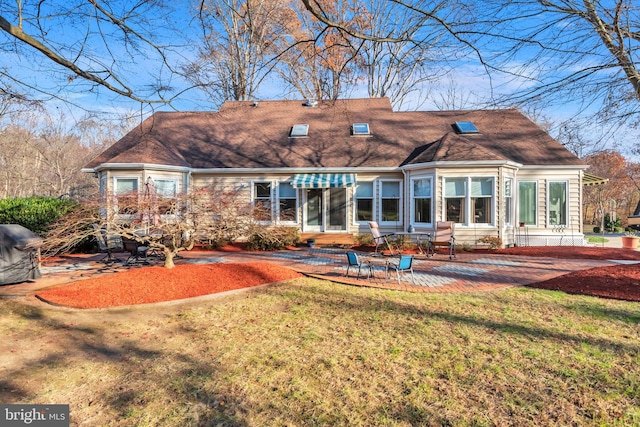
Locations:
column 444, row 236
column 404, row 264
column 354, row 261
column 382, row 239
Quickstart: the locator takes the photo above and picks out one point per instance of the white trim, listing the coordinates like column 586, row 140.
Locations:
column 457, row 164
column 287, row 170
column 556, row 167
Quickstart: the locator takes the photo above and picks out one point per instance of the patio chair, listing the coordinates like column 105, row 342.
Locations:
column 354, row 262
column 107, row 244
column 137, row 251
column 382, row 239
column 405, row 263
column 443, row 237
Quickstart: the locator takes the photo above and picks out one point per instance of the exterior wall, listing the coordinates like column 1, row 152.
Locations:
column 542, row 233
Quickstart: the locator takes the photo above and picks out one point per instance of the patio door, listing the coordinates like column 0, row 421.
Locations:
column 325, row 209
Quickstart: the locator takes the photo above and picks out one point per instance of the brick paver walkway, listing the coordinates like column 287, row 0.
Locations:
column 468, row 272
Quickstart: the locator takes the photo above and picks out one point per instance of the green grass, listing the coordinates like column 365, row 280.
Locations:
column 596, row 239
column 315, row 353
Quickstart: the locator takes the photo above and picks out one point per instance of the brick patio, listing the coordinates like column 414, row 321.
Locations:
column 468, row 272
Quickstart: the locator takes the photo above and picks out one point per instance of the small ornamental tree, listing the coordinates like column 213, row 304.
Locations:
column 164, row 224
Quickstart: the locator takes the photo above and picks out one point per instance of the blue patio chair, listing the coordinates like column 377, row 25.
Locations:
column 353, row 260
column 405, row 263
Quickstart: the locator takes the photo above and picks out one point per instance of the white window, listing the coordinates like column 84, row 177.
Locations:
column 390, row 202
column 455, row 196
column 167, row 188
column 262, row 201
column 422, row 201
column 364, row 201
column 508, row 201
column 557, row 203
column 166, row 191
column 287, row 203
column 126, row 195
column 527, row 203
column 469, row 200
column 482, row 200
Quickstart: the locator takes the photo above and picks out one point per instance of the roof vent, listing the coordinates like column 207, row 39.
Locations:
column 311, row 103
column 254, row 104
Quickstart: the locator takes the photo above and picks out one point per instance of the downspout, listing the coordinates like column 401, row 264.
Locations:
column 407, row 204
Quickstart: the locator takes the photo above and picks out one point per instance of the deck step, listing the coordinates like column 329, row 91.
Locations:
column 329, row 239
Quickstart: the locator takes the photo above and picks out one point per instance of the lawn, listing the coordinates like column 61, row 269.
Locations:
column 310, row 352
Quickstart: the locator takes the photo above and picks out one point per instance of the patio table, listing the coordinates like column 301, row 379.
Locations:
column 419, row 238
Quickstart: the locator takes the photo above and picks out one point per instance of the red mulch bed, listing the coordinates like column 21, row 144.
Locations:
column 157, row 284
column 618, row 281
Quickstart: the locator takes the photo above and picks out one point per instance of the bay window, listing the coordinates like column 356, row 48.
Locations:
column 421, row 193
column 455, row 194
column 469, row 200
column 126, row 195
column 508, row 201
column 482, row 200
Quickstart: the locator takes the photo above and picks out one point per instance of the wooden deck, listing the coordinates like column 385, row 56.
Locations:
column 330, row 239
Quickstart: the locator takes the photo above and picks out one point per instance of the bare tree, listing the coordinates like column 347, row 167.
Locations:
column 583, row 51
column 323, row 62
column 401, row 69
column 215, row 214
column 84, row 45
column 240, row 41
column 43, row 154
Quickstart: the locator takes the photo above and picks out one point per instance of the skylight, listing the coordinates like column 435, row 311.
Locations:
column 360, row 129
column 466, row 127
column 299, row 130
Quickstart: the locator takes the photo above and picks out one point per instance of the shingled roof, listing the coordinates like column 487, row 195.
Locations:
column 246, row 134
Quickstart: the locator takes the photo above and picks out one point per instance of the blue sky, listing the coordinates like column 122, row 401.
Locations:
column 143, row 67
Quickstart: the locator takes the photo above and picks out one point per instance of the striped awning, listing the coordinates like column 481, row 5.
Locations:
column 324, row 180
column 589, row 179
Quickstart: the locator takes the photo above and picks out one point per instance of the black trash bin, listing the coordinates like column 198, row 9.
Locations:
column 18, row 254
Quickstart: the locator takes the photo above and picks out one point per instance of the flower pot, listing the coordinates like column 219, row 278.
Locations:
column 311, row 243
column 630, row 242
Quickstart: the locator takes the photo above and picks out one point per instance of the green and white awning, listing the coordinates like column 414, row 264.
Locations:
column 324, row 180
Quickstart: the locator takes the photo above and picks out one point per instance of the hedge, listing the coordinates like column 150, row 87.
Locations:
column 34, row 213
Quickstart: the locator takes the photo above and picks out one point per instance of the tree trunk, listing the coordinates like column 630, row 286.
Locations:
column 168, row 258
